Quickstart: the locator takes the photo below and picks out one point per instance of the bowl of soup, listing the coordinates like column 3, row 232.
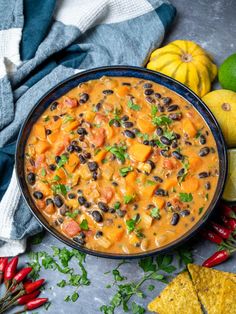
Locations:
column 121, row 162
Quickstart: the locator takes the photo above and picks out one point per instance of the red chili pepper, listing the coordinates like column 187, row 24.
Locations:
column 27, row 297
column 228, row 211
column 211, row 236
column 217, row 258
column 220, row 230
column 10, row 270
column 20, row 276
column 3, row 264
column 229, row 222
column 34, row 304
column 32, row 286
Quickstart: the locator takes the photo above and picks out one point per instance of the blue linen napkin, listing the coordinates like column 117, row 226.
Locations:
column 42, row 42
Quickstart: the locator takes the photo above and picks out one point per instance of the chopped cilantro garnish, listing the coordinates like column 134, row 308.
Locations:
column 56, row 178
column 60, row 189
column 84, row 225
column 128, row 199
column 67, row 118
column 118, row 151
column 154, row 110
column 125, row 170
column 62, row 161
column 131, row 223
column 185, row 197
column 155, row 213
column 162, row 120
column 117, row 205
column 200, row 210
column 46, row 119
column 43, row 172
column 150, row 182
column 133, row 106
column 207, row 197
column 72, row 215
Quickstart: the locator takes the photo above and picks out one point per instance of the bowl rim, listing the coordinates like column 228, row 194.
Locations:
column 161, row 250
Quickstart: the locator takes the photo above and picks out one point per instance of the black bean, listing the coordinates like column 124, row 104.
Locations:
column 151, row 163
column 116, row 123
column 188, row 143
column 212, row 149
column 60, row 220
column 55, row 118
column 158, row 95
column 63, row 210
column 125, row 118
column 174, row 219
column 70, row 148
column 148, row 91
column 129, row 134
column 177, row 136
column 165, row 153
column 174, row 144
column 128, row 124
column 207, row 185
column 99, row 234
column 159, row 131
column 77, row 149
column 82, row 159
column 93, row 165
column 71, row 196
column 81, row 138
column 158, row 179
column 181, row 172
column 83, row 98
column 121, row 213
column 79, row 240
column 48, row 132
column 204, row 151
column 203, row 174
column 202, row 139
column 146, row 142
column 152, row 143
column 177, row 155
column 57, row 159
column 161, row 108
column 58, row 201
column 31, row 178
column 87, row 204
column 135, row 206
column 161, row 192
column 87, row 155
column 74, row 143
column 168, row 204
column 52, row 167
column 95, row 176
column 184, row 213
column 126, row 84
column 114, row 183
column 54, row 105
column 147, row 85
column 81, row 115
column 165, row 140
column 107, row 91
column 82, row 131
column 79, row 191
column 98, row 106
column 172, row 108
column 103, row 206
column 150, row 100
column 81, row 200
column 97, row 216
column 49, row 201
column 175, row 116
column 166, row 100
column 38, row 195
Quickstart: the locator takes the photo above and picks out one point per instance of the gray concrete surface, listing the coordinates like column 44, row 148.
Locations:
column 212, row 24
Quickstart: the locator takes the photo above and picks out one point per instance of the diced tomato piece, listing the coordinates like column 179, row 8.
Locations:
column 70, row 102
column 98, row 137
column 107, row 194
column 39, row 160
column 168, row 164
column 100, row 118
column 71, row 228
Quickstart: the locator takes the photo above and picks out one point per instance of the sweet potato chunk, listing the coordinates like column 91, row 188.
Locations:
column 189, row 128
column 39, row 131
column 41, row 147
column 100, row 156
column 139, row 152
column 145, row 126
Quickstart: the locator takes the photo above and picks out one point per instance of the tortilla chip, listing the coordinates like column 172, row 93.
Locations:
column 209, row 285
column 179, row 297
column 228, row 299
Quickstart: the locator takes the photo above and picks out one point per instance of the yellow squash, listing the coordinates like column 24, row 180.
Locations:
column 187, row 62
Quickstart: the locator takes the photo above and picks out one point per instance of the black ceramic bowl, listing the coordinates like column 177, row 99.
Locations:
column 125, row 71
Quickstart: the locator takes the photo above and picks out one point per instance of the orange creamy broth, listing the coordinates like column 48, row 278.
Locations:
column 121, row 165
